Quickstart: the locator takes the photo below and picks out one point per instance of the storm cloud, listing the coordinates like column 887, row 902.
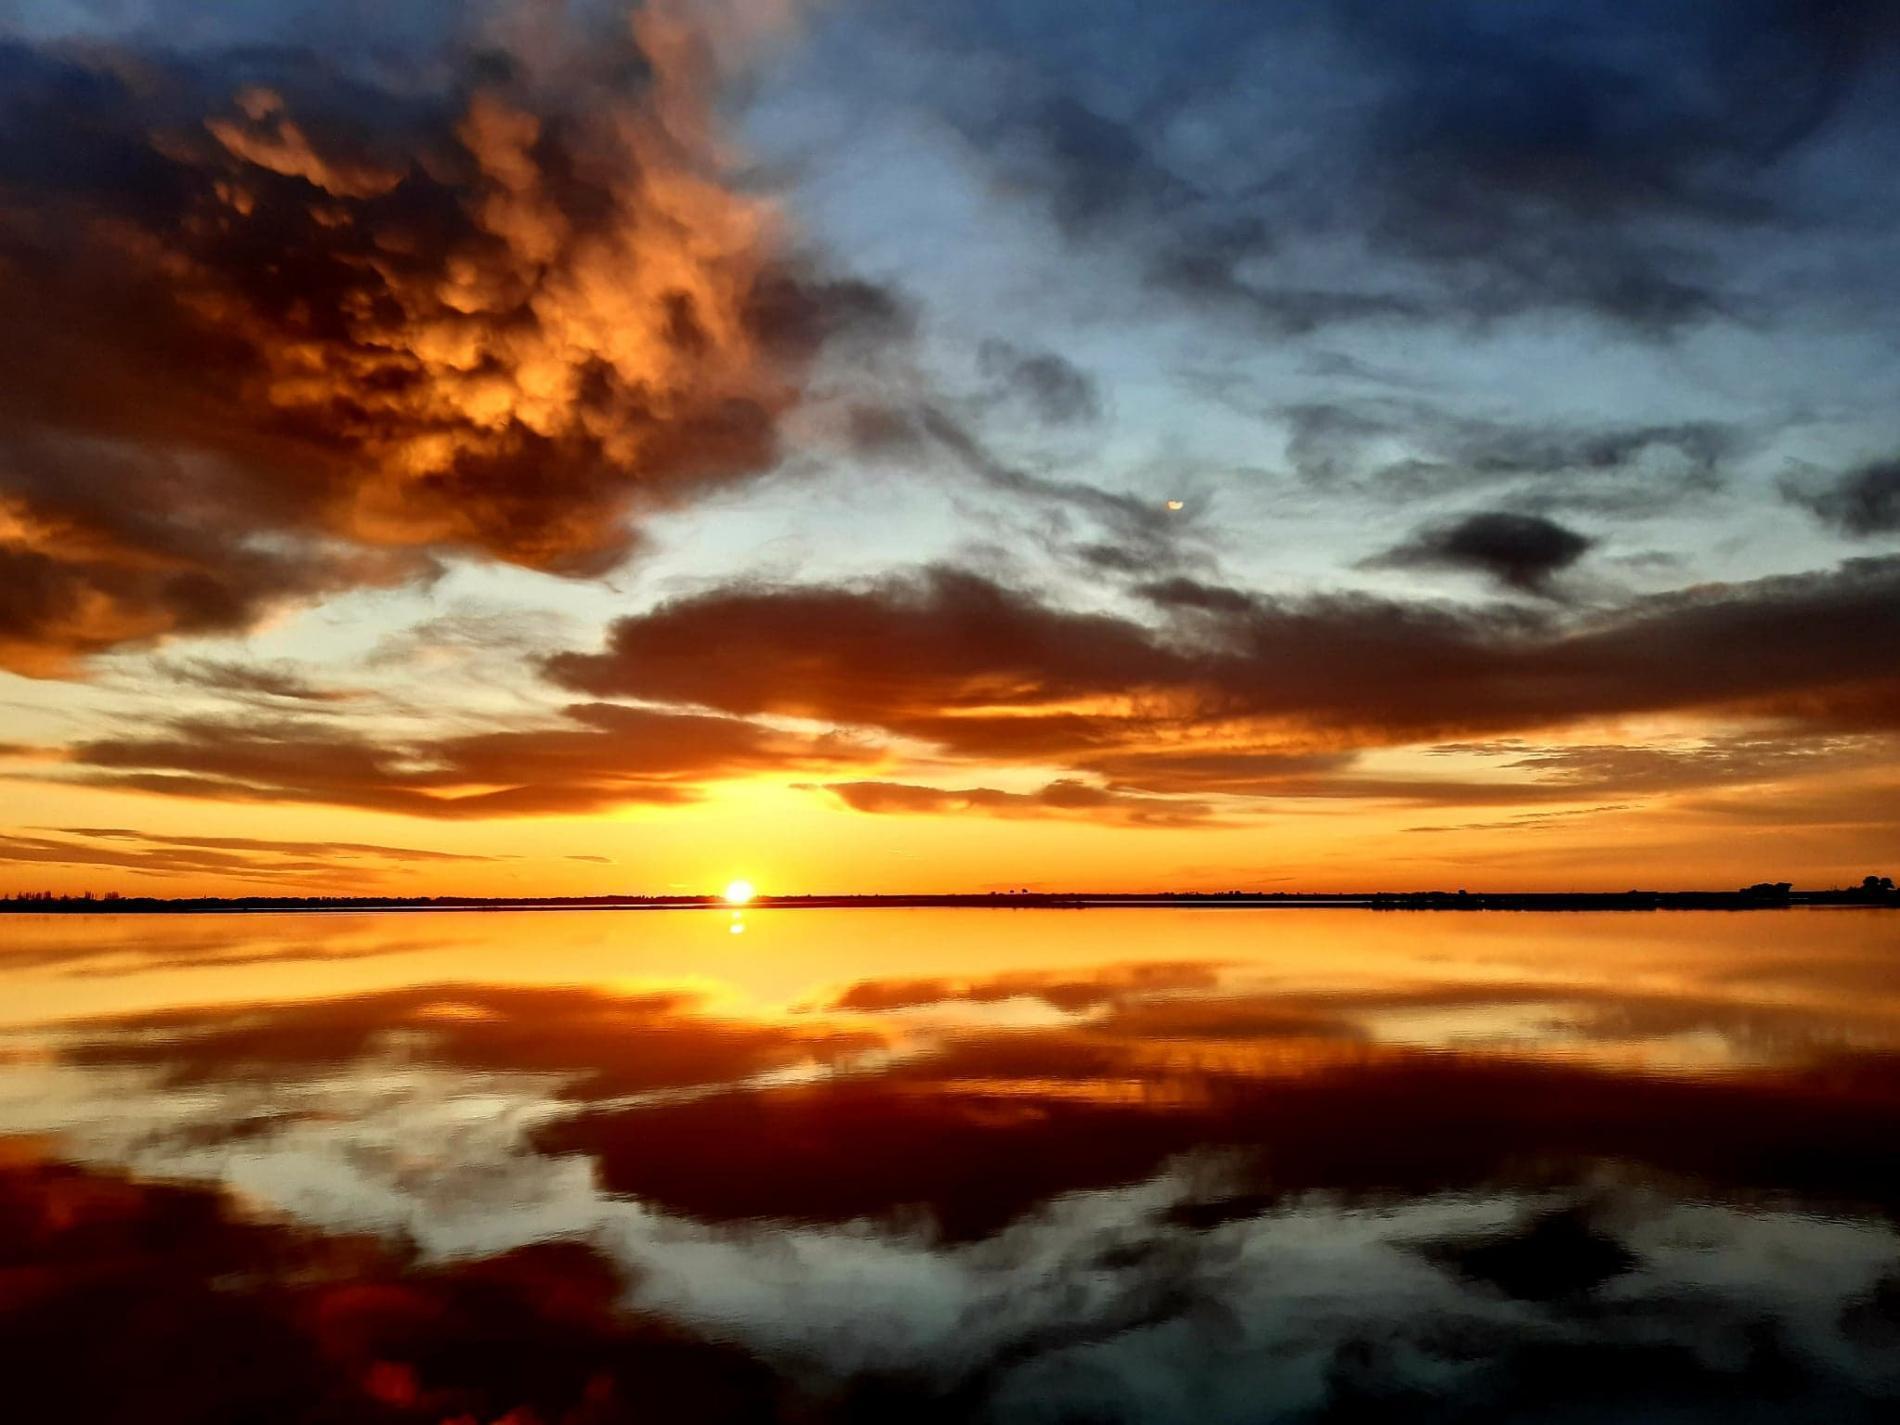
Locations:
column 320, row 317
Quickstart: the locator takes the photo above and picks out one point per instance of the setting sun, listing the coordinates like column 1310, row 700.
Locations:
column 739, row 892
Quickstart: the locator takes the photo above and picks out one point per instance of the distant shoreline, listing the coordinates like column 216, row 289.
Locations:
column 1756, row 898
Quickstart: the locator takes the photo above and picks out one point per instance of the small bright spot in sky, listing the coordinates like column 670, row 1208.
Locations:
column 1174, row 504
column 738, row 892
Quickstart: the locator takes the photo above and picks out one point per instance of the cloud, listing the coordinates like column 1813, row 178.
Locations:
column 827, row 652
column 1132, row 534
column 1053, row 1215
column 1475, row 168
column 505, row 307
column 600, row 755
column 602, row 1044
column 1219, row 692
column 1521, row 552
column 1056, row 390
column 982, row 1136
column 218, row 1315
column 1667, row 765
column 1617, row 469
column 1861, row 503
column 1072, row 992
column 1064, row 799
column 341, row 849
column 1530, row 820
column 238, row 857
column 1230, row 687
column 260, row 682
column 86, row 569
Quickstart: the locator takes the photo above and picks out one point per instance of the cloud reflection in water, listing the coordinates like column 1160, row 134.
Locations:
column 1286, row 1165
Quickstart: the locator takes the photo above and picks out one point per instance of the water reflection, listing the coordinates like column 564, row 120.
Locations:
column 1103, row 1165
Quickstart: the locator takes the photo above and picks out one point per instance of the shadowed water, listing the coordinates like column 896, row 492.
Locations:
column 1103, row 1165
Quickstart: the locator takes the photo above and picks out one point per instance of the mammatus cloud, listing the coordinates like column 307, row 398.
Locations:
column 325, row 327
column 1521, row 552
column 87, row 567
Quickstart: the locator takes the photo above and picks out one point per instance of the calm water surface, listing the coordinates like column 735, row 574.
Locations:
column 919, row 1165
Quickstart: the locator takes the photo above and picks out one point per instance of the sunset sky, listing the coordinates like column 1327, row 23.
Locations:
column 524, row 447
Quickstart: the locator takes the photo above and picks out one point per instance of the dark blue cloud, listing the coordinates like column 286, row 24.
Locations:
column 1490, row 161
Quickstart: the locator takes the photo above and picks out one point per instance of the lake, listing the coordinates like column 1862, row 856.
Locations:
column 563, row 1168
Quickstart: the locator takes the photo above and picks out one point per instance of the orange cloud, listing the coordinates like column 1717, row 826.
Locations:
column 601, row 755
column 506, row 320
column 1224, row 691
column 1064, row 799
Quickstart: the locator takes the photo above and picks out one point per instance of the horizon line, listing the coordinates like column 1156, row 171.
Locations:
column 1872, row 890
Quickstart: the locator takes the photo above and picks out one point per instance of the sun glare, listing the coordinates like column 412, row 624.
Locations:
column 739, row 893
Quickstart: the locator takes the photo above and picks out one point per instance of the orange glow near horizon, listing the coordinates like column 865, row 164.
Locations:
column 801, row 843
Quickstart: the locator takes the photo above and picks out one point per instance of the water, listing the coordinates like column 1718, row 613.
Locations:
column 1103, row 1165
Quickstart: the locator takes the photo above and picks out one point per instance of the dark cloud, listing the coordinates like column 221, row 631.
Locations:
column 85, row 569
column 1054, row 388
column 1212, row 272
column 1557, row 1254
column 1860, row 503
column 1521, row 552
column 1228, row 677
column 973, row 642
column 503, row 310
column 139, row 1301
column 1617, row 469
column 1107, row 181
column 980, row 1137
column 1222, row 692
column 846, row 1150
column 1485, row 165
column 600, row 756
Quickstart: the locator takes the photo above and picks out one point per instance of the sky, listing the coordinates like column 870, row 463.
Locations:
column 527, row 447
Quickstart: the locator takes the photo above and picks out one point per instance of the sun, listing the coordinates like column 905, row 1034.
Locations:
column 739, row 892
